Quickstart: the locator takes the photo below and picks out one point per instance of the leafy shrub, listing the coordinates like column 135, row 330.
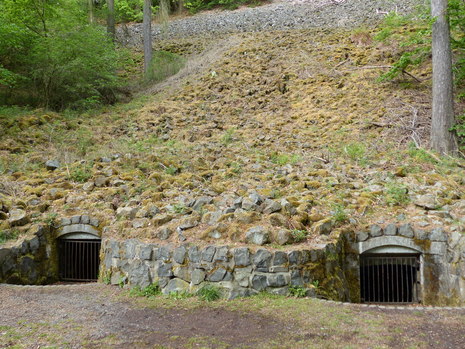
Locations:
column 339, row 213
column 209, row 293
column 81, row 173
column 299, row 235
column 297, row 291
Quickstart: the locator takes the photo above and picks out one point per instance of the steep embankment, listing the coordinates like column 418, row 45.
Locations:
column 285, row 134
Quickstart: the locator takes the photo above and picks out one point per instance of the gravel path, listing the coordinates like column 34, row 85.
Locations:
column 281, row 15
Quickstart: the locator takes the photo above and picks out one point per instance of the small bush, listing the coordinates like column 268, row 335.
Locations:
column 81, row 173
column 297, row 291
column 284, row 159
column 339, row 213
column 299, row 235
column 6, row 235
column 209, row 293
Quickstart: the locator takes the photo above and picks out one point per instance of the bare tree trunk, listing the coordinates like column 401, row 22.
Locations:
column 147, row 30
column 111, row 18
column 443, row 140
column 91, row 10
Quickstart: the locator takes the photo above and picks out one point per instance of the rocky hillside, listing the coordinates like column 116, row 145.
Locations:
column 280, row 137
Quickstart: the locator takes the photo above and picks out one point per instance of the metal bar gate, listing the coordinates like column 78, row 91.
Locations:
column 389, row 278
column 78, row 259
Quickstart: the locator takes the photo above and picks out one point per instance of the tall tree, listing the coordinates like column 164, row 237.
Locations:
column 147, row 30
column 443, row 140
column 111, row 18
column 90, row 4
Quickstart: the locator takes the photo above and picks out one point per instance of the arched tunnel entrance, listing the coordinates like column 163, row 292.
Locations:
column 390, row 275
column 78, row 257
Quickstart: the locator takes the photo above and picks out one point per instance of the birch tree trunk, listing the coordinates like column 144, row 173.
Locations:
column 442, row 139
column 147, row 30
column 111, row 18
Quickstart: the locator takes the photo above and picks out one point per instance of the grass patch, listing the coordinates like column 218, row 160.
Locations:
column 164, row 64
column 6, row 235
column 209, row 293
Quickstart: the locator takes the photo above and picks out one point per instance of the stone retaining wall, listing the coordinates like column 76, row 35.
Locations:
column 32, row 262
column 238, row 271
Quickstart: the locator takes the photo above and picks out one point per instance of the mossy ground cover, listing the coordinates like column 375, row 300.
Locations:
column 298, row 115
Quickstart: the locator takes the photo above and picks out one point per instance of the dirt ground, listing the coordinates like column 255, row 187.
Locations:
column 100, row 316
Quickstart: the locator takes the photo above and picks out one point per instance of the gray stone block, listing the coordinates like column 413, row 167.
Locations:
column 281, row 291
column 280, row 258
column 139, row 274
column 406, row 230
column 296, row 278
column 375, row 231
column 145, row 252
column 241, row 256
column 197, row 276
column 421, row 234
column 208, row 253
column 75, row 219
column 438, row 234
column 34, row 245
column 164, row 253
column 261, row 260
column 85, row 219
column 194, row 254
column 217, row 275
column 65, row 221
column 130, row 249
column 114, row 248
column 259, row 282
column 294, row 257
column 221, row 254
column 362, row 236
column 182, row 272
column 277, row 280
column 390, row 230
column 176, row 285
column 179, row 254
column 165, row 270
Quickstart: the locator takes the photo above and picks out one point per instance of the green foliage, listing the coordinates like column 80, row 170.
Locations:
column 297, row 291
column 148, row 291
column 164, row 64
column 284, row 159
column 6, row 235
column 179, row 208
column 356, row 152
column 459, row 128
column 299, row 235
column 50, row 56
column 81, row 173
column 179, row 295
column 413, row 36
column 396, row 194
column 339, row 213
column 209, row 293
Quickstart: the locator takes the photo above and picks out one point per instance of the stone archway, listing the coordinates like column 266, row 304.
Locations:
column 78, row 243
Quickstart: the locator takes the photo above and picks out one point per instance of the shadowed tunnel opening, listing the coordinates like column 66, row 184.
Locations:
column 78, row 258
column 389, row 278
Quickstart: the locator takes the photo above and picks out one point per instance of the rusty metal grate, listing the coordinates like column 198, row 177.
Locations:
column 389, row 278
column 78, row 259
